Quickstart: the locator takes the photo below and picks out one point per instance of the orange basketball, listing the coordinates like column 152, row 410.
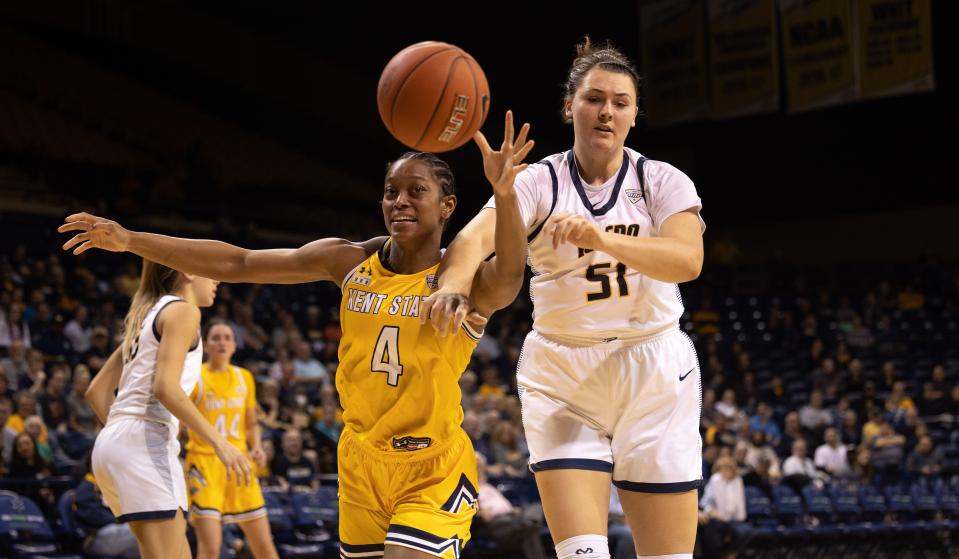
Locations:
column 433, row 96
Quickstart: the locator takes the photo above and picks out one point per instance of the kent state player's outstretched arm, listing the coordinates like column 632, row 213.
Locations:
column 325, row 259
column 495, row 283
column 675, row 256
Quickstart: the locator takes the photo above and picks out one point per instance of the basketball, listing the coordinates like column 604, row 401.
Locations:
column 433, row 96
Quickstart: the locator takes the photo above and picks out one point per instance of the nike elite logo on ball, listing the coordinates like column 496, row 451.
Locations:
column 683, row 377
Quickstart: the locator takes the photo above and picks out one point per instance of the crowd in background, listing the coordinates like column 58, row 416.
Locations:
column 846, row 378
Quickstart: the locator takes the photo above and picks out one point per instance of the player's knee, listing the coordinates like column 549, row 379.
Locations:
column 588, row 546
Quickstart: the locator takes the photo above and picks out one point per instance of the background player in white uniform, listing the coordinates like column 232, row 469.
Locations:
column 135, row 457
column 609, row 384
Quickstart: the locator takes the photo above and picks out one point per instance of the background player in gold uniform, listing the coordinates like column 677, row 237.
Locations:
column 407, row 470
column 226, row 396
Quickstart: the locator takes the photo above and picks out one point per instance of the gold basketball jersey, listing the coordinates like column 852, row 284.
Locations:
column 398, row 380
column 223, row 398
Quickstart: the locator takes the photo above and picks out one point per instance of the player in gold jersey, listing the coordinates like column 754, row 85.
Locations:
column 407, row 470
column 226, row 396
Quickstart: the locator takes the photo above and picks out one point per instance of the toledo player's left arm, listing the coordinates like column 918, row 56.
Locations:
column 497, row 281
column 675, row 256
column 101, row 392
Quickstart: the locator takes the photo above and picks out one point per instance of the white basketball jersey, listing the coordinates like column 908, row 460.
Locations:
column 135, row 395
column 584, row 297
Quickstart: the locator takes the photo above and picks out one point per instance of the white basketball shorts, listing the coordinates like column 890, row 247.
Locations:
column 136, row 464
column 628, row 408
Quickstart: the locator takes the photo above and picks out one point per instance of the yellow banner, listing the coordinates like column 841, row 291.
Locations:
column 674, row 61
column 895, row 42
column 818, row 52
column 744, row 57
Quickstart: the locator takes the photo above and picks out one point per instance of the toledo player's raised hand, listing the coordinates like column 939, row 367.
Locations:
column 501, row 167
column 94, row 232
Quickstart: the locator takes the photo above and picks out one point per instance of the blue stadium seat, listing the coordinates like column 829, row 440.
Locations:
column 24, row 532
column 759, row 513
column 315, row 508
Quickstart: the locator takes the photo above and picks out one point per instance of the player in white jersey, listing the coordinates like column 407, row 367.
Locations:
column 609, row 384
column 136, row 455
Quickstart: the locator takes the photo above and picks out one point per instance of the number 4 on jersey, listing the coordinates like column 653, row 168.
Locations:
column 386, row 355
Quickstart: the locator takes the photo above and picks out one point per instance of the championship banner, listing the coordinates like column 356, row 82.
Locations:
column 895, row 47
column 673, row 36
column 818, row 41
column 744, row 57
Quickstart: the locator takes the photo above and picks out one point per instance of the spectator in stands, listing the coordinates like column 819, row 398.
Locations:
column 53, row 342
column 706, row 319
column 36, row 375
column 510, row 526
column 852, row 379
column 306, row 369
column 468, row 388
column 729, row 407
column 26, row 462
column 758, row 449
column 5, row 390
column 719, row 433
column 813, row 416
column 792, row 432
column 507, row 457
column 887, row 377
column 723, row 503
column 849, row 429
column 78, row 330
column 888, row 450
column 15, row 364
column 26, row 405
column 925, row 460
column 492, row 385
column 763, row 421
column 83, row 419
column 6, row 409
column 909, row 299
column 760, row 476
column 291, row 465
column 329, row 426
column 105, row 536
column 936, row 392
column 825, row 378
column 898, row 404
column 798, row 469
column 859, row 337
column 99, row 350
column 831, row 455
column 474, row 428
column 710, row 455
column 871, row 429
column 13, row 327
column 708, row 414
column 53, row 399
column 775, row 393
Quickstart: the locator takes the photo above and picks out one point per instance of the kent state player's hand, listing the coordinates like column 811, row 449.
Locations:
column 448, row 310
column 501, row 167
column 96, row 232
column 573, row 229
column 258, row 456
column 236, row 462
